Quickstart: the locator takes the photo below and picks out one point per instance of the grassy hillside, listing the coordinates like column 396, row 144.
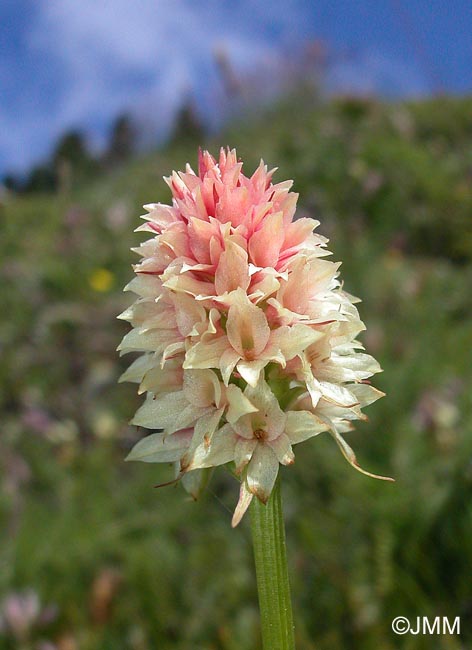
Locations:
column 129, row 567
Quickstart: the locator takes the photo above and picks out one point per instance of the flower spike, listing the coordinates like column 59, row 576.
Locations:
column 247, row 338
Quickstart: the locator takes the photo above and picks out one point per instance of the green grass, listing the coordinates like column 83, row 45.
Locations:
column 390, row 184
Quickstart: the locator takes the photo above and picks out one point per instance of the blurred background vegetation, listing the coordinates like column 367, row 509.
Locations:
column 91, row 556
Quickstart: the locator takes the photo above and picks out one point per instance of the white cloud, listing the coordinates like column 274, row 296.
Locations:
column 103, row 45
column 99, row 57
column 109, row 56
column 112, row 55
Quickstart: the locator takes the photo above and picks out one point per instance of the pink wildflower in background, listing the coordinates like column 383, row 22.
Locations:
column 248, row 339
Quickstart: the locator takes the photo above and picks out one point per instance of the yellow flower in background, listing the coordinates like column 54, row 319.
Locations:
column 101, row 280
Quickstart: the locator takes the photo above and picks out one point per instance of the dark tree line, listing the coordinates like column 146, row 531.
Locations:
column 72, row 160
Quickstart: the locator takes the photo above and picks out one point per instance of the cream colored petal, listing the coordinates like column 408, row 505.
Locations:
column 228, row 361
column 188, row 312
column 312, row 384
column 161, row 380
column 338, row 395
column 245, row 498
column 207, row 425
column 357, row 362
column 244, row 427
column 151, row 341
column 246, row 327
column 262, row 472
column 295, row 339
column 263, row 286
column 170, row 411
column 239, row 404
column 203, row 432
column 171, row 351
column 268, row 405
column 186, row 284
column 145, row 310
column 146, row 286
column 138, row 369
column 282, row 449
column 201, row 387
column 302, row 425
column 352, row 366
column 365, row 393
column 195, row 482
column 250, row 371
column 329, row 412
column 219, row 452
column 206, row 354
column 243, row 452
column 160, row 447
column 158, row 413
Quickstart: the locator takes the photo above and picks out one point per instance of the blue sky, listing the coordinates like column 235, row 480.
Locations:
column 70, row 63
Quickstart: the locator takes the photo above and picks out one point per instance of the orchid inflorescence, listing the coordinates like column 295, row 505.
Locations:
column 247, row 337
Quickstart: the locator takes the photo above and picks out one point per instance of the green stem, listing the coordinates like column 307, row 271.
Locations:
column 268, row 534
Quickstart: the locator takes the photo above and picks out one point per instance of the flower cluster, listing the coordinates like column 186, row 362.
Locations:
column 248, row 339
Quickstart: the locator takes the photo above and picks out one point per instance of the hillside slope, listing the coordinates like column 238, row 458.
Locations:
column 391, row 187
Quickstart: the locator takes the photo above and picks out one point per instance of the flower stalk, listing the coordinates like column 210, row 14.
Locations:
column 270, row 554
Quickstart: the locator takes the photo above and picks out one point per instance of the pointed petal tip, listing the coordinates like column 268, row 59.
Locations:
column 371, row 475
column 262, row 496
column 245, row 498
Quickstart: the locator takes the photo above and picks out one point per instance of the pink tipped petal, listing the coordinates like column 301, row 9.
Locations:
column 233, row 205
column 200, row 232
column 262, row 286
column 245, row 498
column 205, row 163
column 297, row 232
column 265, row 244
